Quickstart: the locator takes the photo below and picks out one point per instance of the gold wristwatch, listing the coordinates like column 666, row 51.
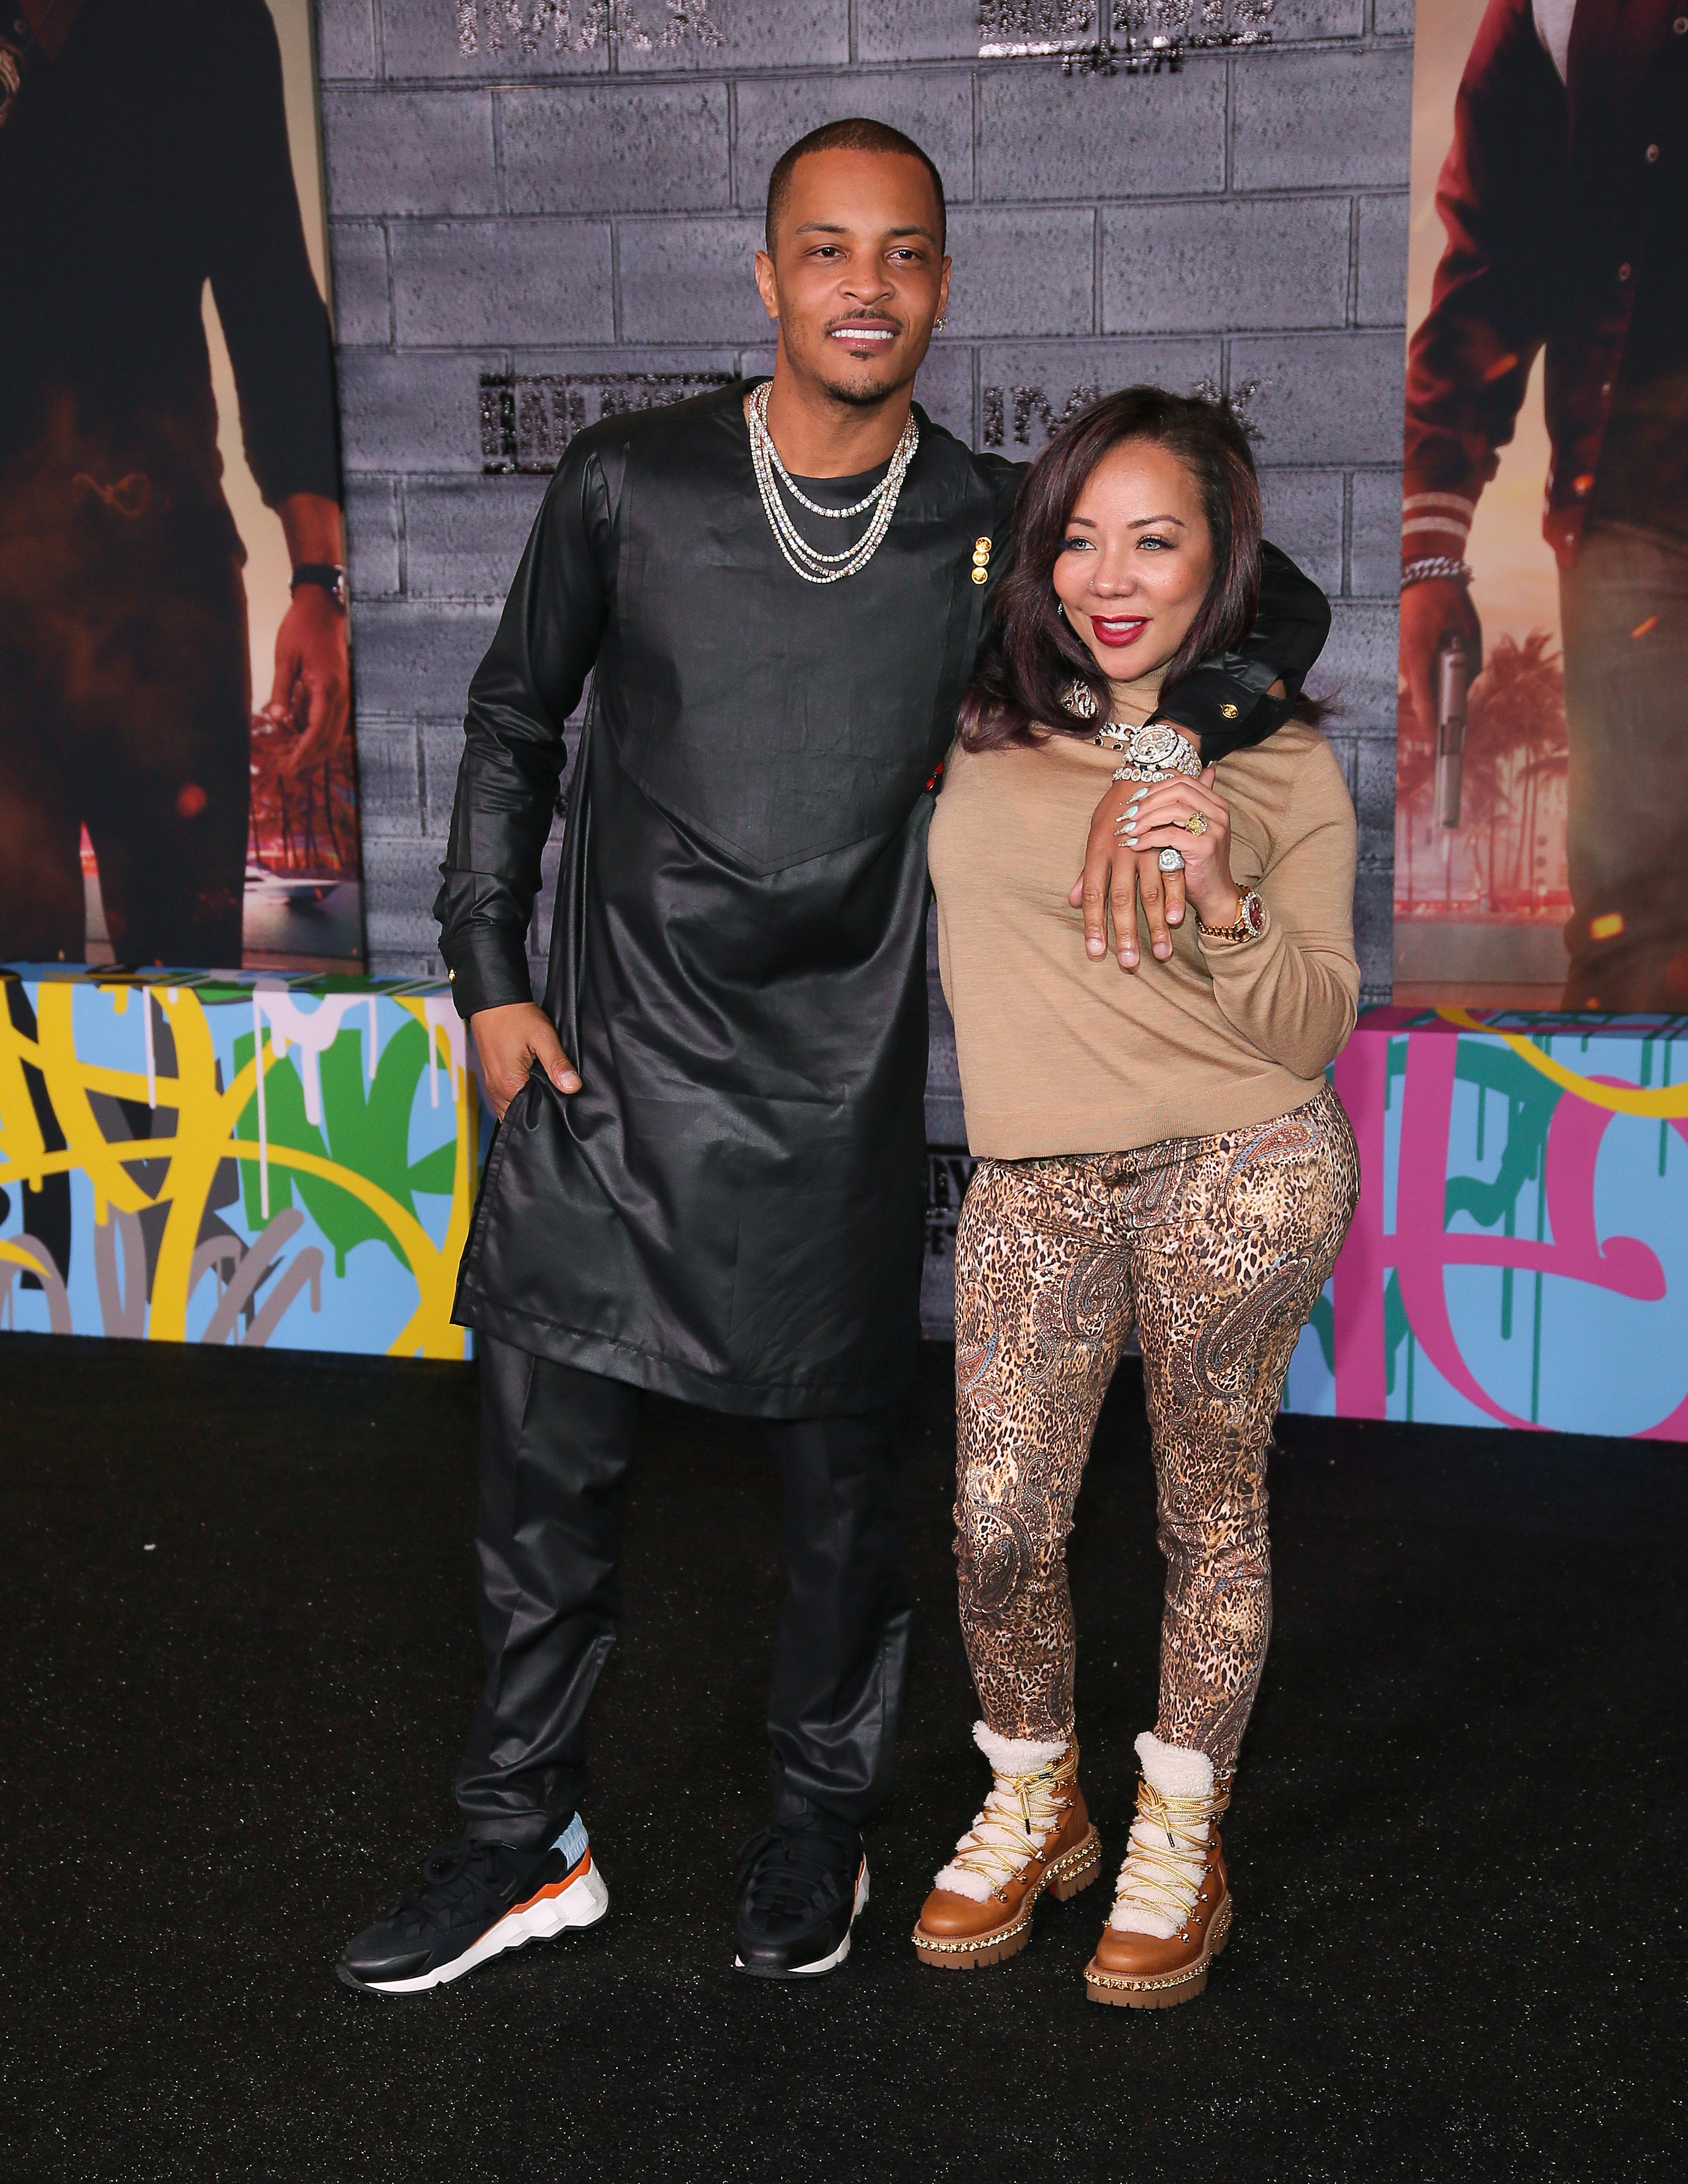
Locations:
column 1250, row 921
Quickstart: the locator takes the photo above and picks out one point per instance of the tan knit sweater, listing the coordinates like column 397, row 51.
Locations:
column 1060, row 1053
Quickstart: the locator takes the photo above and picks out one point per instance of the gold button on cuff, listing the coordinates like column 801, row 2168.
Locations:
column 981, row 546
column 981, row 576
column 1227, row 712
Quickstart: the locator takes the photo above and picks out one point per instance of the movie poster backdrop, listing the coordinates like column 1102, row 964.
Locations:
column 1541, row 847
column 177, row 782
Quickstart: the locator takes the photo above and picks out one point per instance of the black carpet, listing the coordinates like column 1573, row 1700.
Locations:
column 238, row 1663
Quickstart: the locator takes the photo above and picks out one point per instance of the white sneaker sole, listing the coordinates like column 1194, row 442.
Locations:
column 580, row 1901
column 825, row 1963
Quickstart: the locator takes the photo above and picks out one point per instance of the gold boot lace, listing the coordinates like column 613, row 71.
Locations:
column 1166, row 1853
column 1019, row 1816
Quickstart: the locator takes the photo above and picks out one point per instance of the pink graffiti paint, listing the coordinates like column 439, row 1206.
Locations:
column 1421, row 1250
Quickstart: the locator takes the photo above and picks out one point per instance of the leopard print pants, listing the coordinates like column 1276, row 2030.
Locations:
column 1217, row 1248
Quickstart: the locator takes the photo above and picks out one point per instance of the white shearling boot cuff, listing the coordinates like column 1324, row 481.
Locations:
column 1016, row 1755
column 1163, row 1864
column 1173, row 1768
column 1008, row 1756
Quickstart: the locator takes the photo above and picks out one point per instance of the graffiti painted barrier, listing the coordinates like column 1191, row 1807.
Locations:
column 246, row 1159
column 1520, row 1254
column 293, row 1160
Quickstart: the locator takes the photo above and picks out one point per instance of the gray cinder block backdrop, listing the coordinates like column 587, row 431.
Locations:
column 561, row 197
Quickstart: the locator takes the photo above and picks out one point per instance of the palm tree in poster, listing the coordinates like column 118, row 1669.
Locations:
column 1518, row 723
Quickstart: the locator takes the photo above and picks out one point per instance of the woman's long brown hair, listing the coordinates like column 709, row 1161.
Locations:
column 1032, row 657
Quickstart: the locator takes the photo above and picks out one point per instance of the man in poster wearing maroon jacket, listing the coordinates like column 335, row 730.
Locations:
column 1565, row 201
column 144, row 153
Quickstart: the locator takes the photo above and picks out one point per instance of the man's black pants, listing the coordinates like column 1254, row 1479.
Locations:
column 126, row 706
column 555, row 1448
column 1624, row 609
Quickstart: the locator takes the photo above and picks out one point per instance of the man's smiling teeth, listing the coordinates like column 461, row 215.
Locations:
column 856, row 335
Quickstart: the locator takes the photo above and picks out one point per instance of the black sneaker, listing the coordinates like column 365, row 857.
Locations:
column 801, row 1883
column 476, row 1900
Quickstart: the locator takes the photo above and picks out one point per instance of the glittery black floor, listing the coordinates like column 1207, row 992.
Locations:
column 235, row 1660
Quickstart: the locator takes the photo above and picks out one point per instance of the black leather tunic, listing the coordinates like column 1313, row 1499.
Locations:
column 730, row 1209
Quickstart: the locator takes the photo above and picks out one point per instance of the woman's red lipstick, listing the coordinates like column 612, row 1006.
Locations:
column 1119, row 630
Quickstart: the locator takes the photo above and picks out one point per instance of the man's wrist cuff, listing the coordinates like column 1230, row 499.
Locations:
column 495, row 984
column 1448, row 511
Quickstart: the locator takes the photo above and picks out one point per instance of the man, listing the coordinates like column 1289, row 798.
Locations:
column 1566, row 204
column 143, row 153
column 707, row 1178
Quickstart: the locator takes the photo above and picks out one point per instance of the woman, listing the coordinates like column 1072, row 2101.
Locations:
column 1159, row 1149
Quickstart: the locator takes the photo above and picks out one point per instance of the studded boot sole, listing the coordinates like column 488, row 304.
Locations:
column 1161, row 1990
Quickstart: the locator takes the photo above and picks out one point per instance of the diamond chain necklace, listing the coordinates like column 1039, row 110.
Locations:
column 814, row 566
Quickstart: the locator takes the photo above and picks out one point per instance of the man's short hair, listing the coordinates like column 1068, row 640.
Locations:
column 855, row 135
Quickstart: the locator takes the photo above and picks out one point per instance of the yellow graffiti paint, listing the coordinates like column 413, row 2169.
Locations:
column 1664, row 1103
column 205, row 1136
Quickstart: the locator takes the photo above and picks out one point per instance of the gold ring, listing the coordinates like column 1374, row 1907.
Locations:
column 1195, row 824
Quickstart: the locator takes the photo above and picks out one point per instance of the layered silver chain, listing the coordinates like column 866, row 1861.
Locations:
column 814, row 566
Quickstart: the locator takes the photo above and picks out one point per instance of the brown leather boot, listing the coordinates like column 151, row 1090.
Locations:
column 1173, row 1908
column 1033, row 1833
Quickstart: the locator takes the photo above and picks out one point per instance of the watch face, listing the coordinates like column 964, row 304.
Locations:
column 1154, row 743
column 1254, row 912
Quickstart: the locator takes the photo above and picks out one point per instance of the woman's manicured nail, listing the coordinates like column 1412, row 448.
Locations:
column 1095, row 947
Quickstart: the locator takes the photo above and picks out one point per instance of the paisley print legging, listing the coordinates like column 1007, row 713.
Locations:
column 1217, row 1248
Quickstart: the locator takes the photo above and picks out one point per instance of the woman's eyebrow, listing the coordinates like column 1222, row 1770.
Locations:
column 1137, row 522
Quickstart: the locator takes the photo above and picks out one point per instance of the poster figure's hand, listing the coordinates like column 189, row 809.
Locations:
column 1431, row 614
column 508, row 1041
column 313, row 677
column 1115, row 879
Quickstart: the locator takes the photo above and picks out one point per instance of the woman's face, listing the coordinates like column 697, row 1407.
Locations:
column 1136, row 560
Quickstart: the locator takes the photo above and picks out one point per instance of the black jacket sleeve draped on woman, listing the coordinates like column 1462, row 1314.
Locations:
column 730, row 1209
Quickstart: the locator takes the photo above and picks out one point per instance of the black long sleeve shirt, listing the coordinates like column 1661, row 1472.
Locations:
column 149, row 157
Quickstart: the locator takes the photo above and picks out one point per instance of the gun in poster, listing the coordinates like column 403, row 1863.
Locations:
column 1451, row 665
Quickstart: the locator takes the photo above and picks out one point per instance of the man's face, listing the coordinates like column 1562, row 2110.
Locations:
column 857, row 276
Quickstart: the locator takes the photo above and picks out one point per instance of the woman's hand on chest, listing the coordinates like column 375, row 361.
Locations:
column 1188, row 814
